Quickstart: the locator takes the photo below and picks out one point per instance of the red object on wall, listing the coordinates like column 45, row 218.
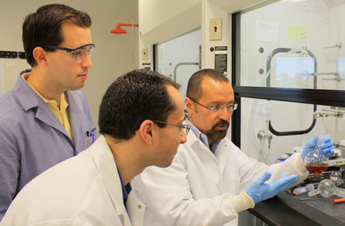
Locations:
column 119, row 30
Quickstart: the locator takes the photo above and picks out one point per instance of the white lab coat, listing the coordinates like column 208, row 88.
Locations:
column 194, row 190
column 83, row 190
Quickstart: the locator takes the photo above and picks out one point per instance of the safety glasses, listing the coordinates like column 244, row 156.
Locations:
column 77, row 54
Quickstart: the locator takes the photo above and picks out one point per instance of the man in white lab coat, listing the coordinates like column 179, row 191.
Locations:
column 141, row 118
column 211, row 180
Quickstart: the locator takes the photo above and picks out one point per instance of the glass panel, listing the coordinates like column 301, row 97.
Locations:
column 293, row 44
column 290, row 70
column 256, row 115
column 180, row 58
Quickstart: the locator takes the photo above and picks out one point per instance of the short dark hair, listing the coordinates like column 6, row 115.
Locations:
column 133, row 98
column 194, row 84
column 44, row 27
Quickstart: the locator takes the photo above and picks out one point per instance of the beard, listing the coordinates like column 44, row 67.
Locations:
column 214, row 134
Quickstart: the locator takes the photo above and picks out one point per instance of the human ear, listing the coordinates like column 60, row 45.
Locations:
column 147, row 132
column 40, row 55
column 189, row 106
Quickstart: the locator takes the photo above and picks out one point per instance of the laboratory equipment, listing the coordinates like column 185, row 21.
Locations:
column 336, row 160
column 262, row 136
column 334, row 201
column 302, row 190
column 336, row 177
column 315, row 161
column 327, row 188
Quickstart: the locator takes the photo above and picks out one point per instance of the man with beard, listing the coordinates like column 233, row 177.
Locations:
column 211, row 180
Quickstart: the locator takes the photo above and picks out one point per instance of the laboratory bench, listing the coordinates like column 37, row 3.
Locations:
column 287, row 209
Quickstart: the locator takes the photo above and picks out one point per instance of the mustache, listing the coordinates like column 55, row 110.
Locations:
column 221, row 122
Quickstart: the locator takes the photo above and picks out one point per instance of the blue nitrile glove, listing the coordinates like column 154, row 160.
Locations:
column 326, row 147
column 259, row 190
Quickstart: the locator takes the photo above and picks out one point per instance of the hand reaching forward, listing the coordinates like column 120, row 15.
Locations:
column 259, row 190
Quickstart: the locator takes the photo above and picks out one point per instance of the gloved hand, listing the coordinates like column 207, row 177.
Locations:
column 326, row 147
column 259, row 190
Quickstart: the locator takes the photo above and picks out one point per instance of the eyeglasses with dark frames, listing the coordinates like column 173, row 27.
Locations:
column 230, row 107
column 77, row 54
column 185, row 128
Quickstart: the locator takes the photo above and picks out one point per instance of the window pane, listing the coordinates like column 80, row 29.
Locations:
column 179, row 58
column 293, row 44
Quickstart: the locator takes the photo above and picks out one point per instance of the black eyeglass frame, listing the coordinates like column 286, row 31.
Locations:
column 185, row 128
column 216, row 108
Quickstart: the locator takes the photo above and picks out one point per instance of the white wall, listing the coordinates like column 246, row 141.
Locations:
column 114, row 54
column 161, row 20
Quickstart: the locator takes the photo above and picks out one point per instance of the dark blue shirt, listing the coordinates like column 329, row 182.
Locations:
column 125, row 189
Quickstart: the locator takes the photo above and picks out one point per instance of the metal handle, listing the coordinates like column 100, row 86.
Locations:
column 262, row 135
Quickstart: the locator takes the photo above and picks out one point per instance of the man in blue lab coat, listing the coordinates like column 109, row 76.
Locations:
column 44, row 119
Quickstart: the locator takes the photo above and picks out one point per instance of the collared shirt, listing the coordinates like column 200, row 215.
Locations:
column 61, row 113
column 202, row 136
column 126, row 189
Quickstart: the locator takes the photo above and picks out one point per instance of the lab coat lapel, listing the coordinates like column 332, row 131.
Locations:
column 75, row 119
column 106, row 165
column 29, row 99
column 44, row 114
column 222, row 154
column 203, row 152
column 135, row 209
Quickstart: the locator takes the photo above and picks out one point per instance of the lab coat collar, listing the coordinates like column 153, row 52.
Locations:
column 28, row 99
column 26, row 96
column 106, row 165
column 202, row 136
column 221, row 152
column 197, row 132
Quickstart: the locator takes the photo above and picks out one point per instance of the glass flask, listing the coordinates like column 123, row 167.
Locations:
column 315, row 161
column 327, row 188
column 336, row 177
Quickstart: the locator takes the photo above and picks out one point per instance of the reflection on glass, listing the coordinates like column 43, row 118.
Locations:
column 310, row 35
column 293, row 72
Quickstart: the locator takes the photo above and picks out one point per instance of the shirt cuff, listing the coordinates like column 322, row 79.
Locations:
column 241, row 202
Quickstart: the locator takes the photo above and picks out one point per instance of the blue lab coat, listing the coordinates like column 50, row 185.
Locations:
column 32, row 139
